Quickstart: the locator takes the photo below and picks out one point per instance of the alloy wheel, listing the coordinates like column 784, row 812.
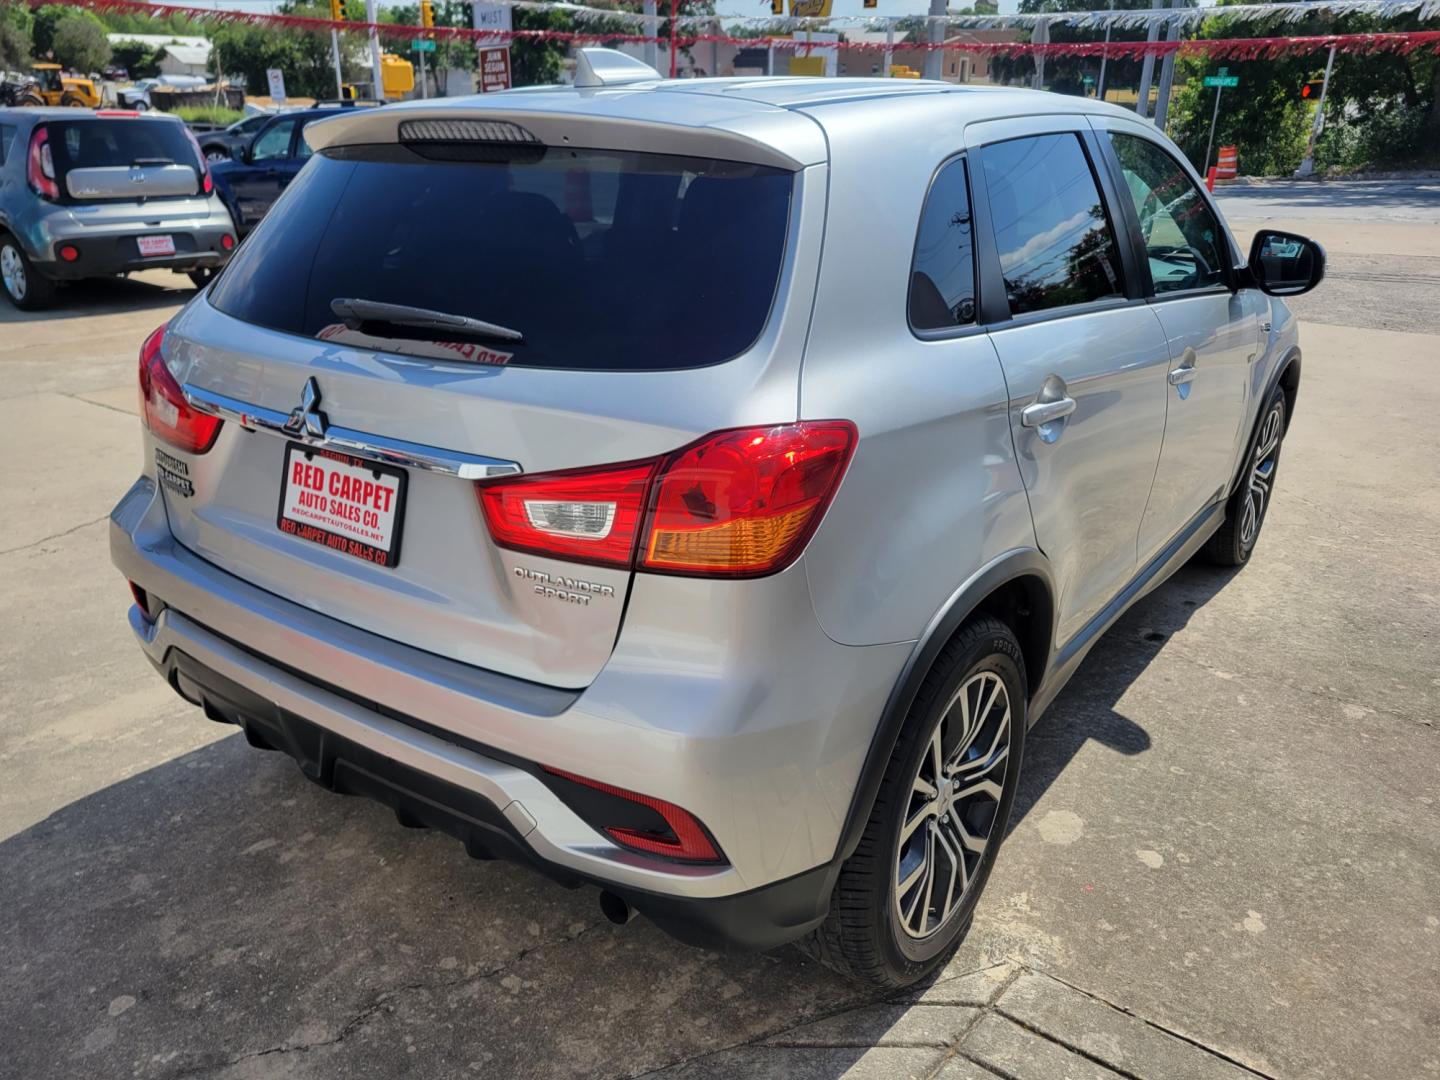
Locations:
column 1262, row 475
column 954, row 801
column 12, row 272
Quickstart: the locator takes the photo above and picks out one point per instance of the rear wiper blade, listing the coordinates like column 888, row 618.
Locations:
column 355, row 312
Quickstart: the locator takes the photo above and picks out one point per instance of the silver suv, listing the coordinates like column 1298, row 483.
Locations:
column 697, row 488
column 91, row 194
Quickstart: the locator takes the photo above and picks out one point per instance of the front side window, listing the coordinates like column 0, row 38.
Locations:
column 273, row 142
column 942, row 275
column 1056, row 245
column 1183, row 243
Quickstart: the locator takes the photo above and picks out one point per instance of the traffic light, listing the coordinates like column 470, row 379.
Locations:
column 777, row 7
column 872, row 3
column 337, row 10
column 1311, row 89
column 427, row 14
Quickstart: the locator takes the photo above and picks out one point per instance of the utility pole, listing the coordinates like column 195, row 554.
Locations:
column 1167, row 74
column 935, row 34
column 1040, row 36
column 1100, row 82
column 652, row 29
column 378, row 84
column 337, row 14
column 1147, row 72
column 1307, row 165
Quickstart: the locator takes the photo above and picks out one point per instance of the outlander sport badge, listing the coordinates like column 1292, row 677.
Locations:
column 308, row 417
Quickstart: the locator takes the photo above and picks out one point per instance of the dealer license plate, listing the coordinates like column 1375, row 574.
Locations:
column 348, row 504
column 156, row 245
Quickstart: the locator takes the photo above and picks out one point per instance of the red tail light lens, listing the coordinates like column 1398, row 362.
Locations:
column 207, row 182
column 683, row 837
column 743, row 503
column 163, row 406
column 584, row 515
column 41, row 167
column 739, row 503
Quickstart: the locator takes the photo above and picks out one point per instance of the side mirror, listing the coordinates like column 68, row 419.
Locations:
column 237, row 153
column 1284, row 264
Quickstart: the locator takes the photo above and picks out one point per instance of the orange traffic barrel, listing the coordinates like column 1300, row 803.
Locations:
column 1227, row 163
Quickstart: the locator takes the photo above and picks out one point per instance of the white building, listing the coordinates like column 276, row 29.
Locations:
column 179, row 54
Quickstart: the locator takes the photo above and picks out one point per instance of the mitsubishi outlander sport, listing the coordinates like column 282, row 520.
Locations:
column 697, row 488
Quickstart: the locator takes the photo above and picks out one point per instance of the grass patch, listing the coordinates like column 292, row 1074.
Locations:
column 208, row 114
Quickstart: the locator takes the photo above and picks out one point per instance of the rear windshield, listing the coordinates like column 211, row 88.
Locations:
column 601, row 260
column 93, row 144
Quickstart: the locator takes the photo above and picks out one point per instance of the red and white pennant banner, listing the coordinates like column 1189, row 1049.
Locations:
column 1402, row 42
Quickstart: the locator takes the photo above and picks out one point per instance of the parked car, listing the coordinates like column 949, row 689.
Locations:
column 92, row 194
column 223, row 145
column 699, row 491
column 263, row 166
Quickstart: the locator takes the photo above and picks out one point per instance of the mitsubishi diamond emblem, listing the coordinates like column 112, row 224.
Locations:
column 308, row 418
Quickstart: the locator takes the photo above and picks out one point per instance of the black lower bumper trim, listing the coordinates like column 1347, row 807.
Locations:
column 760, row 919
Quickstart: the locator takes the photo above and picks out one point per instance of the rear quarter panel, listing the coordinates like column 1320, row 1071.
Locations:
column 934, row 492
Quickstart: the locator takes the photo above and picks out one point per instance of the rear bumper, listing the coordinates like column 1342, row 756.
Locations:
column 455, row 747
column 109, row 254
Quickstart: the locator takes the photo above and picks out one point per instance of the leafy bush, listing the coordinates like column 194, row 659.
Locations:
column 1385, row 135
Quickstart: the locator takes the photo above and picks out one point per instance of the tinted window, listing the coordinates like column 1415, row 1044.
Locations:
column 942, row 279
column 273, row 142
column 92, row 144
column 602, row 259
column 7, row 132
column 1182, row 238
column 1056, row 245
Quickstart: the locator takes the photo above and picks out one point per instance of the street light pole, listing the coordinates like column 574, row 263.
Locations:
column 652, row 24
column 1100, row 83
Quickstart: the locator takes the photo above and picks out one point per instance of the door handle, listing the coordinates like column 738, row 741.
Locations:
column 1045, row 412
column 1181, row 375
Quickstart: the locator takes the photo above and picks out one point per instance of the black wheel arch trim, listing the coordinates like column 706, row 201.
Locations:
column 1288, row 363
column 966, row 601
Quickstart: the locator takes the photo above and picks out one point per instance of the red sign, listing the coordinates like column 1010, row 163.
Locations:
column 494, row 69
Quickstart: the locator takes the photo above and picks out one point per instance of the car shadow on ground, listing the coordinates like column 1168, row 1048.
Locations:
column 218, row 908
column 106, row 296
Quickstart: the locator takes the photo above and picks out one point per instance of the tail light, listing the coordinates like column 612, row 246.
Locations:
column 163, row 407
column 207, row 182
column 653, row 825
column 41, row 168
column 738, row 503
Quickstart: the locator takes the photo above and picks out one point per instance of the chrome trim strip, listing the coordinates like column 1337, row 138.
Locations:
column 377, row 447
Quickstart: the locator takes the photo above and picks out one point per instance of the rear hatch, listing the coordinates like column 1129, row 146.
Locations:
column 623, row 303
column 122, row 161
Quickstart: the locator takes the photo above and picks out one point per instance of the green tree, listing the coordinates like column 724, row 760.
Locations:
column 141, row 61
column 15, row 26
column 79, row 43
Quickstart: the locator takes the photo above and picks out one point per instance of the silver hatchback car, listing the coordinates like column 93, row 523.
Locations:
column 697, row 488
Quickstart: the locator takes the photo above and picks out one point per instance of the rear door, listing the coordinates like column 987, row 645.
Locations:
column 1211, row 327
column 1083, row 356
column 257, row 184
column 643, row 285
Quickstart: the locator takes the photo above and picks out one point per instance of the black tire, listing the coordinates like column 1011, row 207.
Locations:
column 1233, row 542
column 201, row 278
column 863, row 937
column 29, row 291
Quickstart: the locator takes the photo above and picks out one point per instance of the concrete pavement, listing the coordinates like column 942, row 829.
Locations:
column 1225, row 859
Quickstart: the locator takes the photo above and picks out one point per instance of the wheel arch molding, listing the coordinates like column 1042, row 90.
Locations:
column 1014, row 578
column 1287, row 377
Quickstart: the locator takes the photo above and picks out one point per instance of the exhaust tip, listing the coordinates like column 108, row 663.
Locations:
column 615, row 909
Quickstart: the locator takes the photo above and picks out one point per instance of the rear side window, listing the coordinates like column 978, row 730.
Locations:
column 1056, row 245
column 1182, row 238
column 942, row 277
column 7, row 132
column 602, row 260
